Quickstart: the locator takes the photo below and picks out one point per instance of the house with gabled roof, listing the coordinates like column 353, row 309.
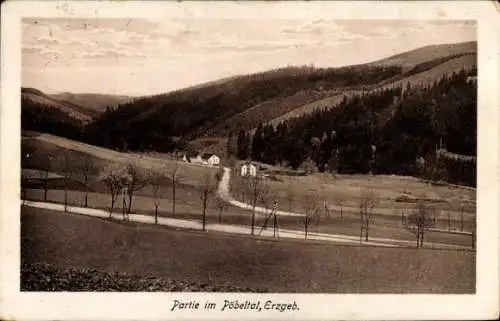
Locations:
column 210, row 159
column 248, row 169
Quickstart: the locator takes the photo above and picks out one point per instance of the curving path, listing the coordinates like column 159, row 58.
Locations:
column 223, row 193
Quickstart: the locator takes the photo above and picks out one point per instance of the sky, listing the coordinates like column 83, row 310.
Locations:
column 142, row 57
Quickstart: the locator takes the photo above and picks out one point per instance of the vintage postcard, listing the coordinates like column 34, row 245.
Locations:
column 249, row 160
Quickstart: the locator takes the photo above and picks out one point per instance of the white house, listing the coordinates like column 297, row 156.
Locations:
column 472, row 79
column 211, row 159
column 248, row 169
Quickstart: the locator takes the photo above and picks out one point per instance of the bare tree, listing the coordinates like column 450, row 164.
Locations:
column 155, row 179
column 326, row 210
column 473, row 231
column 28, row 155
column 266, row 198
column 423, row 218
column 115, row 178
column 221, row 206
column 63, row 165
column 45, row 165
column 137, row 180
column 85, row 168
column 175, row 179
column 310, row 213
column 269, row 202
column 289, row 197
column 367, row 204
column 206, row 189
column 255, row 189
column 461, row 217
column 340, row 202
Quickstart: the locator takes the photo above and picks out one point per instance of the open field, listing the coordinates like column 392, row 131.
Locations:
column 395, row 195
column 192, row 211
column 284, row 266
column 291, row 192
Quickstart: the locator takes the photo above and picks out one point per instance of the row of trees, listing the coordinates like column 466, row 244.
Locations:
column 254, row 190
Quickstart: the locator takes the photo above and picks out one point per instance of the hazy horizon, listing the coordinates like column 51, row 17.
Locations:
column 137, row 57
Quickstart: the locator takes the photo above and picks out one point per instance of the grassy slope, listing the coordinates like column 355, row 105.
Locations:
column 82, row 242
column 423, row 78
column 414, row 57
column 279, row 110
column 54, row 145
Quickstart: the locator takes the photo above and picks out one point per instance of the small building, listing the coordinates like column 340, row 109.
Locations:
column 211, row 159
column 472, row 79
column 248, row 169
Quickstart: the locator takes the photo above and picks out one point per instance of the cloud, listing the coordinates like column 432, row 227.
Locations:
column 48, row 42
column 215, row 47
column 31, row 50
column 112, row 54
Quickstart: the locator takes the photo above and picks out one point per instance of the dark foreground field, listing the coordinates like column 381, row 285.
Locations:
column 228, row 262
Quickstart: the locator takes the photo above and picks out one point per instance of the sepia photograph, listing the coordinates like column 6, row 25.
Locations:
column 213, row 154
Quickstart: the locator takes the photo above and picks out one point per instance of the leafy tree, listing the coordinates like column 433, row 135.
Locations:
column 137, row 180
column 115, row 177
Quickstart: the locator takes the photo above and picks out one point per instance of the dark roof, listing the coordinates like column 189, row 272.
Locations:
column 206, row 155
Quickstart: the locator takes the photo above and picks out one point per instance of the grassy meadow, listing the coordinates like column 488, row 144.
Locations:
column 285, row 266
column 394, row 195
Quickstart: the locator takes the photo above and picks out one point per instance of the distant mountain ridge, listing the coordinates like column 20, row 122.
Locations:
column 93, row 102
column 82, row 107
column 74, row 111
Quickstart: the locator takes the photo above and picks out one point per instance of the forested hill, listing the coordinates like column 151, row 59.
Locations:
column 192, row 113
column 219, row 109
column 388, row 131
